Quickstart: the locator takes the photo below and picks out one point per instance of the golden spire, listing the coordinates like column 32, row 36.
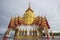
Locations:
column 29, row 4
column 29, row 8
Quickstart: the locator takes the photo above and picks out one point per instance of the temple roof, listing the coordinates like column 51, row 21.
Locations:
column 28, row 19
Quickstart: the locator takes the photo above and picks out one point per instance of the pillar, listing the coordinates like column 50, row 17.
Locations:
column 35, row 33
column 30, row 32
column 22, row 32
column 16, row 32
column 25, row 32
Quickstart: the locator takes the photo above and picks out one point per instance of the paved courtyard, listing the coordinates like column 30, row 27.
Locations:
column 44, row 38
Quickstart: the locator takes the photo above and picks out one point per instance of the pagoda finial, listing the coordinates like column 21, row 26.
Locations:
column 11, row 17
column 29, row 4
column 45, row 16
column 29, row 8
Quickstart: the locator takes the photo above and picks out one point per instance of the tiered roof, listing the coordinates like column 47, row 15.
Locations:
column 38, row 21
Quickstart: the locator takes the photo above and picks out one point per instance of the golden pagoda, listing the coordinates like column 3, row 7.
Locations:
column 27, row 27
column 29, row 16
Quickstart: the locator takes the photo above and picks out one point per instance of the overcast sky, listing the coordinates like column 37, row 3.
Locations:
column 48, row 8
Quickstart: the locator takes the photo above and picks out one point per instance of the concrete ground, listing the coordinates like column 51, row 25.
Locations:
column 44, row 38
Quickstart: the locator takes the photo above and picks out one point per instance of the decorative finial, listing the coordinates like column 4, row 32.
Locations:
column 29, row 4
column 11, row 17
column 45, row 16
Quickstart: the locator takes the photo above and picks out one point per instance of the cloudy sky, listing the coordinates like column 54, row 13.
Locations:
column 48, row 8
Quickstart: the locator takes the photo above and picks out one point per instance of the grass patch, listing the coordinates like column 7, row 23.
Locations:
column 56, row 34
